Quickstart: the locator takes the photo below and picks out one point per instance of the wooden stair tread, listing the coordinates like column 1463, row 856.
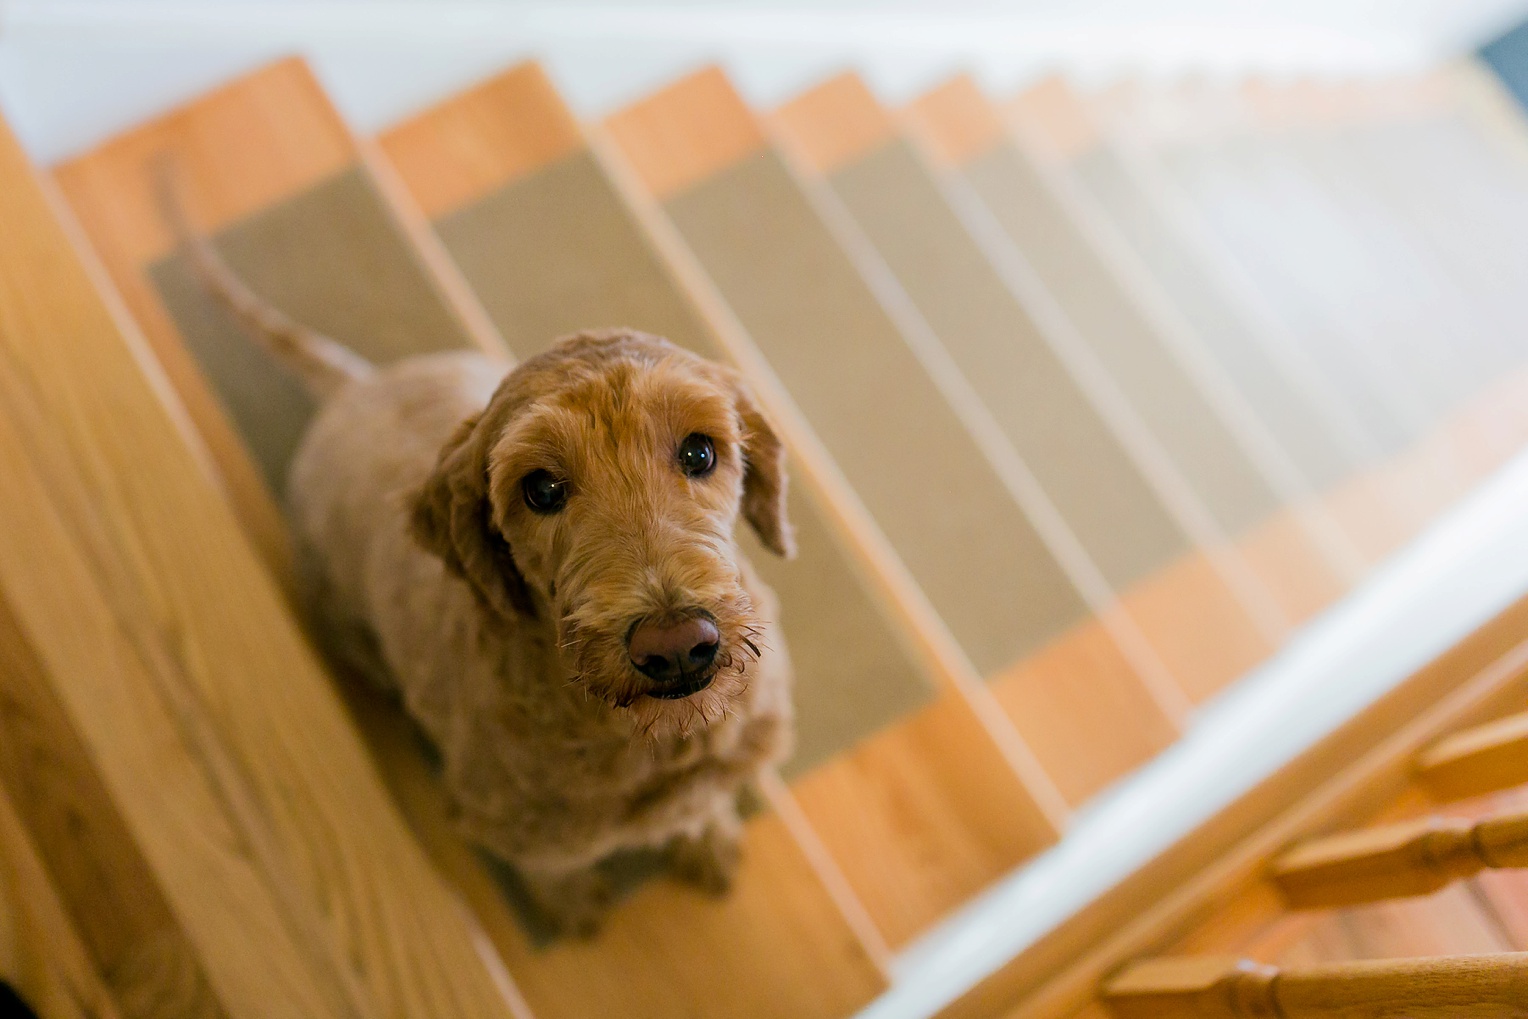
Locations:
column 1155, row 579
column 105, row 887
column 1197, row 423
column 1298, row 413
column 802, row 257
column 1388, row 215
column 1392, row 494
column 553, row 245
column 178, row 663
column 42, row 957
column 1012, row 647
column 552, row 249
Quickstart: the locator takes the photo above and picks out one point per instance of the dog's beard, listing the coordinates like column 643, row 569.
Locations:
column 603, row 669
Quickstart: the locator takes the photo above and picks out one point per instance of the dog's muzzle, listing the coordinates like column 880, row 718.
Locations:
column 678, row 656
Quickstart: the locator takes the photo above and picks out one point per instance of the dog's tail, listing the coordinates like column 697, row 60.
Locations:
column 323, row 364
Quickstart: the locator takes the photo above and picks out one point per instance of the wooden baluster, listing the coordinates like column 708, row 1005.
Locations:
column 1396, row 861
column 1209, row 987
column 1481, row 760
column 1199, row 986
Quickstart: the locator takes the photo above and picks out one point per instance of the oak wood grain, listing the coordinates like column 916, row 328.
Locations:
column 102, row 881
column 774, row 946
column 457, row 151
column 835, row 123
column 129, row 573
column 42, row 956
column 686, row 132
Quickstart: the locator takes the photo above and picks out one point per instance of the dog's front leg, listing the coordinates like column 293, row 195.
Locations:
column 709, row 860
column 574, row 902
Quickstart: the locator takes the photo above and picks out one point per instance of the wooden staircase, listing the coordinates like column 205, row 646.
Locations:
column 1373, row 865
column 1080, row 435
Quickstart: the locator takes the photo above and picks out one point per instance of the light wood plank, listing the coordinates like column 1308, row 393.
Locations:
column 835, row 124
column 1080, row 704
column 772, row 947
column 1255, row 922
column 354, row 920
column 1451, row 922
column 500, row 131
column 41, row 955
column 108, row 889
column 658, row 135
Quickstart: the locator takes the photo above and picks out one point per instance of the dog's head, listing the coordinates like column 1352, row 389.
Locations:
column 601, row 486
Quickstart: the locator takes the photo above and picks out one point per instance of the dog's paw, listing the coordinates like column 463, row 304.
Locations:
column 574, row 905
column 709, row 862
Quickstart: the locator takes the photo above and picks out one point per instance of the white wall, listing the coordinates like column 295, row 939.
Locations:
column 75, row 71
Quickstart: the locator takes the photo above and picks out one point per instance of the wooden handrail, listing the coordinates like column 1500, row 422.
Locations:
column 1481, row 760
column 1399, row 860
column 1219, row 987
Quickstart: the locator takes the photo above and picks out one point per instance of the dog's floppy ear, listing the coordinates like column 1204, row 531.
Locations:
column 764, row 477
column 451, row 517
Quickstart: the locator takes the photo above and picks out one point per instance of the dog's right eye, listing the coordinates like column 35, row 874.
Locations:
column 697, row 455
column 543, row 492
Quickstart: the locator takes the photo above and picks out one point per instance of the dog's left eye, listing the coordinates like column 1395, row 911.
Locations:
column 697, row 455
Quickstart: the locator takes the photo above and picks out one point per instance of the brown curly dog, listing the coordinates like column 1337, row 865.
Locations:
column 541, row 562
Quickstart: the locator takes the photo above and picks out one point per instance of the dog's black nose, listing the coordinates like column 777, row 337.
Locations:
column 665, row 652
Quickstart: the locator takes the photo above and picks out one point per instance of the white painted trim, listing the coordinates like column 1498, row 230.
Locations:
column 75, row 72
column 910, row 27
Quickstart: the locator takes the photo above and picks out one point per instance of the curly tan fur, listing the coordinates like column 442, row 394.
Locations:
column 505, row 630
